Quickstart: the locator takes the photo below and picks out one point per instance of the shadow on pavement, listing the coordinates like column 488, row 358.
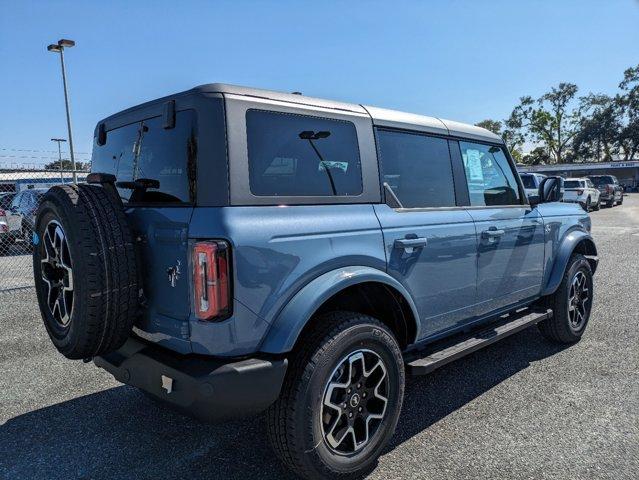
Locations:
column 119, row 433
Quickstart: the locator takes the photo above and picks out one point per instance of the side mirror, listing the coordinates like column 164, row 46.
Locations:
column 551, row 189
column 534, row 200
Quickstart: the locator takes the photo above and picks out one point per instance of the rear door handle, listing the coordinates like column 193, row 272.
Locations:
column 409, row 244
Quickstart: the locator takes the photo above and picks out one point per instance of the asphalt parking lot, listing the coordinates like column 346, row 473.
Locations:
column 521, row 409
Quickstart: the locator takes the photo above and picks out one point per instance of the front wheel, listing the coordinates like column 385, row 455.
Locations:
column 341, row 398
column 571, row 303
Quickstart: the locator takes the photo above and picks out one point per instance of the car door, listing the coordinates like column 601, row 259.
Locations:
column 429, row 240
column 510, row 234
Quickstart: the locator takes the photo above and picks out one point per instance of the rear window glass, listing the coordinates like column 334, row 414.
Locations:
column 298, row 155
column 572, row 184
column 528, row 181
column 146, row 150
column 604, row 180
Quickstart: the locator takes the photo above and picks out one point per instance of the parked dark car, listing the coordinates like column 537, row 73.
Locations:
column 21, row 213
column 611, row 190
column 6, row 199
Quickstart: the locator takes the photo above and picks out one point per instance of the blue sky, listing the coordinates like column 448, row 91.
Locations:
column 462, row 60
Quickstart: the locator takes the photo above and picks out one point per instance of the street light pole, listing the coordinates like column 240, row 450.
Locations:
column 59, row 140
column 59, row 47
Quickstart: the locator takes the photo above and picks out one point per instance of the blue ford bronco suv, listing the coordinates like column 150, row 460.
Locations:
column 239, row 250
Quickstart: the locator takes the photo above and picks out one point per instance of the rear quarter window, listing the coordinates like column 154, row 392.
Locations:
column 299, row 155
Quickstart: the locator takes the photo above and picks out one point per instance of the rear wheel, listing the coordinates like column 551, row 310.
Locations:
column 597, row 205
column 586, row 206
column 571, row 303
column 341, row 398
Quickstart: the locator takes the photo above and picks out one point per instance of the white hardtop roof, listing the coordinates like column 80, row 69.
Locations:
column 380, row 116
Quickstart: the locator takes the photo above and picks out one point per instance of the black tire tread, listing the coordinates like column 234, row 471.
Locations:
column 104, row 247
column 555, row 328
column 280, row 416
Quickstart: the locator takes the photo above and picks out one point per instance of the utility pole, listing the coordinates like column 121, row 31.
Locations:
column 59, row 48
column 59, row 140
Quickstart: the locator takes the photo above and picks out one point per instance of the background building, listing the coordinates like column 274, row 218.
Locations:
column 626, row 172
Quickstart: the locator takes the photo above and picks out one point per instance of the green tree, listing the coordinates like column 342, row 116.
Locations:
column 600, row 128
column 551, row 121
column 628, row 101
column 537, row 156
column 66, row 165
column 492, row 125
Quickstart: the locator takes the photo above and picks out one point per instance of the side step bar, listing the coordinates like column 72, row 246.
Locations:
column 437, row 355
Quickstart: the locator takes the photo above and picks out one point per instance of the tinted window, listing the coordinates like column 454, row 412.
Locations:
column 528, row 181
column 572, row 184
column 602, row 180
column 298, row 155
column 417, row 168
column 490, row 178
column 147, row 150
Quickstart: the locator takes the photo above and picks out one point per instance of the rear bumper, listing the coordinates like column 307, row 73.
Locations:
column 208, row 388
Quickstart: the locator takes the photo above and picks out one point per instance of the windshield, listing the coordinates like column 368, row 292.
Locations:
column 601, row 181
column 572, row 184
column 146, row 150
column 528, row 181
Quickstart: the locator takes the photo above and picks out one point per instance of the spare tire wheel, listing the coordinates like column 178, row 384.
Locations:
column 85, row 270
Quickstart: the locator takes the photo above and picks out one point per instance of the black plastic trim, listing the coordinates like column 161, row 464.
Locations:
column 208, row 388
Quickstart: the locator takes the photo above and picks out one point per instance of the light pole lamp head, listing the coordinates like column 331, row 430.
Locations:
column 58, row 140
column 66, row 43
column 54, row 48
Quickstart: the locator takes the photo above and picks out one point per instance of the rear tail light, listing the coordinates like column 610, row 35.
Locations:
column 2, row 213
column 580, row 192
column 609, row 189
column 211, row 273
column 4, row 228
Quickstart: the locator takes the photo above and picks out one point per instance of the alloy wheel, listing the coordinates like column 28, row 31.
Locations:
column 354, row 402
column 57, row 273
column 578, row 301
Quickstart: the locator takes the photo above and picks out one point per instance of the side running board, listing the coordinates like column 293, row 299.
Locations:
column 440, row 353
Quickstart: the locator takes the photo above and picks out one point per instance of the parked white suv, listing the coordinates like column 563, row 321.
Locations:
column 582, row 191
column 531, row 182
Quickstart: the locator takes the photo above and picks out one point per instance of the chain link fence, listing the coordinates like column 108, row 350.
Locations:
column 21, row 191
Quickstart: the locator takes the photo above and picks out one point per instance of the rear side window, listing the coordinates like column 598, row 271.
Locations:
column 299, row 155
column 603, row 180
column 147, row 150
column 491, row 180
column 417, row 168
column 573, row 184
column 528, row 181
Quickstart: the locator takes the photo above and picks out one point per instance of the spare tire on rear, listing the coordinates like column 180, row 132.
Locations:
column 85, row 270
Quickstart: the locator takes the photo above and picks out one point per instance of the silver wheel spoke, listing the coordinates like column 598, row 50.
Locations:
column 355, row 401
column 57, row 272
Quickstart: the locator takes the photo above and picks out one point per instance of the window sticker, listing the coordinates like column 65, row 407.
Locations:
column 473, row 165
